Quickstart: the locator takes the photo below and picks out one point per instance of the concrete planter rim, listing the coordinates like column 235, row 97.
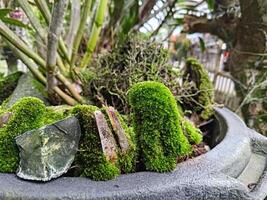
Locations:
column 213, row 175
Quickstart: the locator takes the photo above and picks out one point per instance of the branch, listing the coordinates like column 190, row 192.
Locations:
column 221, row 27
column 44, row 9
column 146, row 9
column 55, row 29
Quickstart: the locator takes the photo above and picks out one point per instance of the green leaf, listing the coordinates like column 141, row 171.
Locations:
column 14, row 22
column 202, row 44
column 211, row 4
column 4, row 12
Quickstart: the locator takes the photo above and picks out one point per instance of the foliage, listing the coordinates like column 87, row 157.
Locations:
column 192, row 133
column 90, row 160
column 201, row 95
column 27, row 114
column 116, row 71
column 157, row 124
column 7, row 85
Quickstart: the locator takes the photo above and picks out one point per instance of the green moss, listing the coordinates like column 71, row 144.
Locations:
column 157, row 124
column 56, row 113
column 39, row 87
column 198, row 75
column 192, row 133
column 128, row 63
column 8, row 84
column 90, row 160
column 27, row 114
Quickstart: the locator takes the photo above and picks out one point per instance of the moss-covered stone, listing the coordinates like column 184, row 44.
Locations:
column 90, row 160
column 157, row 125
column 28, row 87
column 202, row 91
column 8, row 85
column 125, row 139
column 27, row 114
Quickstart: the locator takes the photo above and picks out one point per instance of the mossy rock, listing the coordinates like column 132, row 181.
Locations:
column 106, row 147
column 90, row 160
column 158, row 127
column 27, row 114
column 125, row 139
column 202, row 90
column 28, row 87
column 8, row 85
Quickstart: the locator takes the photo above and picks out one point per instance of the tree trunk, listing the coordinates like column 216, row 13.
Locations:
column 247, row 63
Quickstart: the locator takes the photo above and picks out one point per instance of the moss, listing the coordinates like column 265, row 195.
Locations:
column 192, row 133
column 128, row 63
column 27, row 114
column 157, row 124
column 56, row 113
column 197, row 74
column 90, row 160
column 39, row 87
column 8, row 84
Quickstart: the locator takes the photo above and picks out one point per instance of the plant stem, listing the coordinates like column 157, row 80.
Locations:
column 43, row 7
column 77, row 40
column 55, row 30
column 38, row 27
column 74, row 24
column 98, row 22
column 34, row 69
column 19, row 44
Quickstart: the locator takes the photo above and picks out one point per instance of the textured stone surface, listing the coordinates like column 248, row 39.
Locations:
column 212, row 176
column 118, row 129
column 4, row 118
column 107, row 140
column 48, row 152
column 27, row 86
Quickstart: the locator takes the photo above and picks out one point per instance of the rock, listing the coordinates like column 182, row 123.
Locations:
column 4, row 119
column 28, row 86
column 8, row 85
column 48, row 152
column 118, row 130
column 108, row 142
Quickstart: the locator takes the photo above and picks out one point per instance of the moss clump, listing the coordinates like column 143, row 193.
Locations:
column 192, row 133
column 8, row 85
column 90, row 161
column 201, row 85
column 27, row 114
column 157, row 124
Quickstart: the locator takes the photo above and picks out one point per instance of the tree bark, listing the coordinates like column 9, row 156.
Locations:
column 247, row 63
column 247, row 38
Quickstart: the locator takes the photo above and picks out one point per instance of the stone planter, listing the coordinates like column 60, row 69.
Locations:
column 234, row 169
